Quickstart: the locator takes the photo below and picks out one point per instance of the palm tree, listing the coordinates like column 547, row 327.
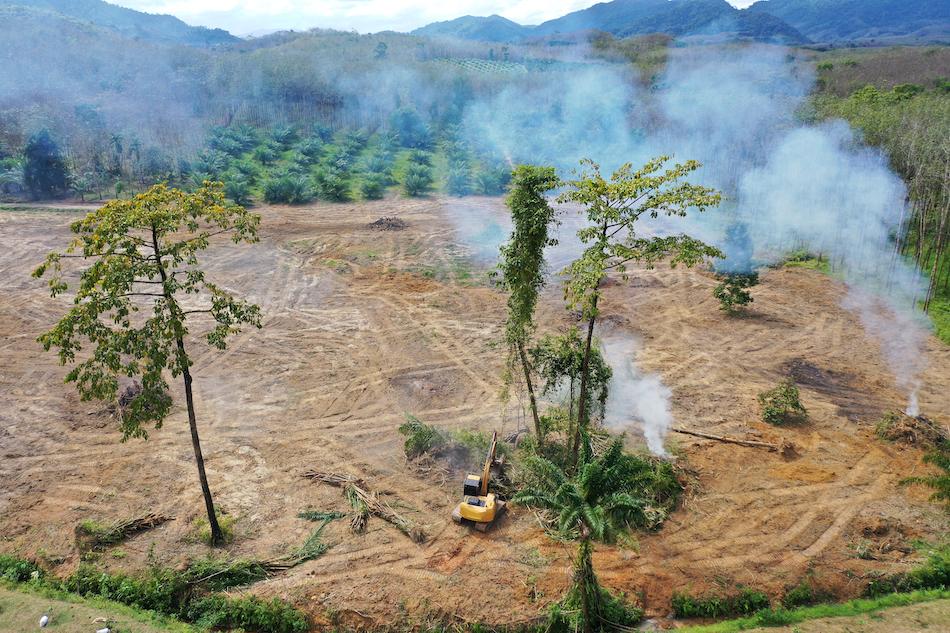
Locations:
column 595, row 504
column 939, row 457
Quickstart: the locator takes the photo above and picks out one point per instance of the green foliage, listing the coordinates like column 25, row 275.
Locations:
column 939, row 457
column 409, row 128
column 785, row 616
column 287, row 188
column 372, row 187
column 608, row 496
column 733, row 290
column 781, row 405
column 420, row 437
column 804, row 594
column 237, row 189
column 44, row 167
column 934, row 573
column 417, row 180
column 492, row 180
column 201, row 529
column 17, row 569
column 126, row 302
column 332, row 184
column 744, row 602
column 558, row 358
column 218, row 574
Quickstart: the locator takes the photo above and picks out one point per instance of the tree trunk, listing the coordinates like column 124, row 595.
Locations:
column 217, row 536
column 938, row 252
column 582, row 413
column 527, row 379
column 586, row 582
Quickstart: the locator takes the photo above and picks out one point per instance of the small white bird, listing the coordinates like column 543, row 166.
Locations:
column 44, row 621
column 105, row 630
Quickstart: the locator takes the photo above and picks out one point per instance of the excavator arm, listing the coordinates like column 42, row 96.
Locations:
column 486, row 471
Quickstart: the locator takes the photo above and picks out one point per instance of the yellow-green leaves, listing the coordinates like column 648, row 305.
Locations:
column 137, row 259
column 614, row 206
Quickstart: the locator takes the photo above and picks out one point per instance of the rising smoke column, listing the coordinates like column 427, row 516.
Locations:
column 787, row 184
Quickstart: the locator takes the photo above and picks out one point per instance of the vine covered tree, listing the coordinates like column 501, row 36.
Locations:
column 522, row 264
column 613, row 208
column 137, row 297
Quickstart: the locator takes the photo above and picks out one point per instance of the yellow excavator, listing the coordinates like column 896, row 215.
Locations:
column 480, row 508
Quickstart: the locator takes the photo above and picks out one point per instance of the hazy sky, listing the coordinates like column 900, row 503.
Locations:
column 256, row 16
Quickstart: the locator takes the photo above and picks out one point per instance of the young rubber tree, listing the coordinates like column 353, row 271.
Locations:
column 613, row 208
column 595, row 504
column 139, row 290
column 557, row 358
column 522, row 263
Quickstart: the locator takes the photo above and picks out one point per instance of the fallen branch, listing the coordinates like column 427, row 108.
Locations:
column 729, row 440
column 365, row 503
column 93, row 535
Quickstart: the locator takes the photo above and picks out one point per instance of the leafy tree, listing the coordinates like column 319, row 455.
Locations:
column 372, row 187
column 332, row 184
column 142, row 257
column 613, row 208
column 288, row 189
column 522, row 264
column 380, row 51
column 417, row 180
column 559, row 357
column 595, row 504
column 81, row 185
column 44, row 168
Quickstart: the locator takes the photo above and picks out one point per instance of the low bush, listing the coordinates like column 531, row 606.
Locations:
column 417, row 180
column 746, row 602
column 17, row 569
column 733, row 290
column 782, row 404
column 420, row 437
column 566, row 616
column 287, row 189
column 934, row 573
column 201, row 529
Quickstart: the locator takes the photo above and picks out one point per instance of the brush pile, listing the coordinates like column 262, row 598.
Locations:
column 915, row 430
column 365, row 503
column 388, row 224
column 92, row 535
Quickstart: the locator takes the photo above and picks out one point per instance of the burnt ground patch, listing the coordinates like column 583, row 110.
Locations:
column 844, row 389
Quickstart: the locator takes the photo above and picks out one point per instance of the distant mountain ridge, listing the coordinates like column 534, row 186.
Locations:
column 165, row 29
column 785, row 21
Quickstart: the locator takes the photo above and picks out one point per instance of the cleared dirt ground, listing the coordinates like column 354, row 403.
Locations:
column 362, row 326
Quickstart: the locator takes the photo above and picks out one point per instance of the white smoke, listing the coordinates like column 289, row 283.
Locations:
column 635, row 396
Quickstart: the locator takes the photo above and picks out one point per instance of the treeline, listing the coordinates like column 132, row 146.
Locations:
column 911, row 122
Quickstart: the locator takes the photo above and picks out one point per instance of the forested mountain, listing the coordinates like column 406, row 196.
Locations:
column 130, row 23
column 494, row 28
column 862, row 20
column 786, row 21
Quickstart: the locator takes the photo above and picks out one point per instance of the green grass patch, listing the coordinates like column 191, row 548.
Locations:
column 745, row 602
column 783, row 617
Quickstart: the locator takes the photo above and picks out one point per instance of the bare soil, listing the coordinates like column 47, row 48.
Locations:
column 363, row 326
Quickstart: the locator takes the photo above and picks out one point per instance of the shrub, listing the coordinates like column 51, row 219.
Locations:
column 459, row 182
column 940, row 482
column 332, row 184
column 746, row 602
column 732, row 291
column 566, row 616
column 248, row 613
column 288, row 189
column 372, row 187
column 492, row 181
column 934, row 573
column 218, row 574
column 417, row 179
column 17, row 569
column 420, row 437
column 782, row 405
column 237, row 189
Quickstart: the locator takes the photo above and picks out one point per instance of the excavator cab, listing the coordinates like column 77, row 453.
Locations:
column 479, row 508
